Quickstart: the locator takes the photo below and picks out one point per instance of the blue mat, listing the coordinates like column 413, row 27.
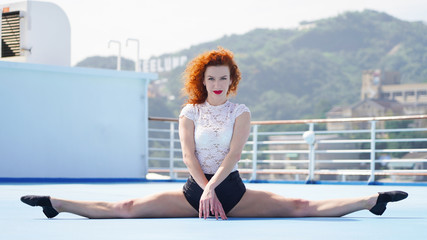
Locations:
column 18, row 221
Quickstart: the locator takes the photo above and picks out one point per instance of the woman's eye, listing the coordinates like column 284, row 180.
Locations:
column 210, row 79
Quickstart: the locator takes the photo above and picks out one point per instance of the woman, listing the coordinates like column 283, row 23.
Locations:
column 213, row 132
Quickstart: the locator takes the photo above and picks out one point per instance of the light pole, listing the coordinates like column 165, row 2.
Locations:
column 137, row 65
column 119, row 57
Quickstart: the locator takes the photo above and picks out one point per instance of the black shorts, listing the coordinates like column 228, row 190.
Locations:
column 229, row 191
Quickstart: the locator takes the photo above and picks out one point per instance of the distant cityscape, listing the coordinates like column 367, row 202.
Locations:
column 382, row 94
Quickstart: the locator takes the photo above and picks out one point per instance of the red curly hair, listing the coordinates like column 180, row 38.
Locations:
column 195, row 71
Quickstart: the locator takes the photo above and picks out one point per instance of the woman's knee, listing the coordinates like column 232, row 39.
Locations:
column 125, row 209
column 300, row 208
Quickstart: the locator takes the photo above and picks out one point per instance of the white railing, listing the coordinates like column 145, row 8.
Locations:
column 355, row 154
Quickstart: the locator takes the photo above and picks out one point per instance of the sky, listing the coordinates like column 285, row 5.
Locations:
column 167, row 26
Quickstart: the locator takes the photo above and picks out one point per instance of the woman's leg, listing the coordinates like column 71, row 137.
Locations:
column 266, row 204
column 166, row 204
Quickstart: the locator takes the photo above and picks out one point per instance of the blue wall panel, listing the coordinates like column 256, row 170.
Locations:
column 62, row 122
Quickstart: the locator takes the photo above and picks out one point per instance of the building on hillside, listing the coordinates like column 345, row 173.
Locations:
column 382, row 95
column 364, row 108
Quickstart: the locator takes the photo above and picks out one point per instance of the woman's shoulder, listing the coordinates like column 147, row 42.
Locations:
column 239, row 108
column 238, row 105
column 190, row 110
column 191, row 107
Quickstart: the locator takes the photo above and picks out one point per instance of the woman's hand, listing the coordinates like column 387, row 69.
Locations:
column 209, row 202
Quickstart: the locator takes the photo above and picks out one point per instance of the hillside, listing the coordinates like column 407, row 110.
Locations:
column 293, row 74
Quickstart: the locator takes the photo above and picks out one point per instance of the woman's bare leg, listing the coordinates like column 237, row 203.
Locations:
column 266, row 204
column 166, row 204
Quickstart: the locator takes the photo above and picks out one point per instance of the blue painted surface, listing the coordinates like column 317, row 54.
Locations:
column 407, row 219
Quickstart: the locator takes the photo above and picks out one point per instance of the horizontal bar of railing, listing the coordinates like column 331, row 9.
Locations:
column 343, row 171
column 400, row 172
column 344, row 161
column 401, row 130
column 279, row 142
column 278, row 171
column 344, row 151
column 337, row 120
column 343, row 141
column 305, row 121
column 299, row 133
column 342, row 131
column 281, row 161
column 376, row 140
column 162, row 139
column 165, row 149
column 163, row 119
column 160, row 130
column 401, row 160
column 247, row 152
column 341, row 161
column 282, row 151
column 158, row 158
column 321, row 132
column 400, row 150
column 403, row 140
column 377, row 150
column 245, row 161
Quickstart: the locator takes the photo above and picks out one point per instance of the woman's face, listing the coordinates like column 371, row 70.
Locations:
column 217, row 81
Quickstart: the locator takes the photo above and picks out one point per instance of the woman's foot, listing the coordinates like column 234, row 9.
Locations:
column 386, row 197
column 42, row 201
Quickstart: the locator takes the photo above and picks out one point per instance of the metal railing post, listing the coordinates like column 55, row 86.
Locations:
column 171, row 149
column 311, row 155
column 373, row 135
column 254, row 151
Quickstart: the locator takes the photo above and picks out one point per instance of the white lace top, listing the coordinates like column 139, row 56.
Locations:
column 213, row 131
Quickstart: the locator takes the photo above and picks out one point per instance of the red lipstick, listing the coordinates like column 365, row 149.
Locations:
column 218, row 92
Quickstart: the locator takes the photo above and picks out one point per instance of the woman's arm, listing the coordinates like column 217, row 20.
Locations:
column 186, row 136
column 241, row 131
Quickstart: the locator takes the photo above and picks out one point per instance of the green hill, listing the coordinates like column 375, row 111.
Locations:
column 294, row 74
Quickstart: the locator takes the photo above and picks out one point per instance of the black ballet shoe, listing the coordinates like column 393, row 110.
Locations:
column 386, row 197
column 42, row 201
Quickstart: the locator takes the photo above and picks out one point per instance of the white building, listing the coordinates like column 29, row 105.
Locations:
column 35, row 32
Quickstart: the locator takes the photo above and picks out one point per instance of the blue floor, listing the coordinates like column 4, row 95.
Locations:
column 403, row 220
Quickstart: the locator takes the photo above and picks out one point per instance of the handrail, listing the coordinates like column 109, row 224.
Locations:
column 305, row 121
column 163, row 119
column 259, row 157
